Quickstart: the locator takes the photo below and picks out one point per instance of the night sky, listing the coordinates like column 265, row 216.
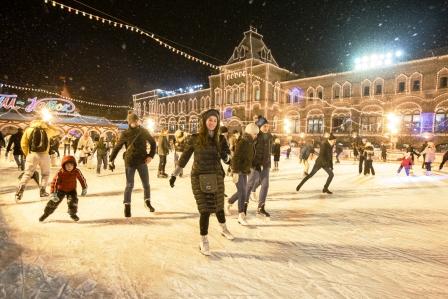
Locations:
column 38, row 43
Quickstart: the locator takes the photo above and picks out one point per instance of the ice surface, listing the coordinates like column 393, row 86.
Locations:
column 375, row 237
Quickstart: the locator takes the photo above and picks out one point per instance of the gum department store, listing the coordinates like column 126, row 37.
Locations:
column 349, row 104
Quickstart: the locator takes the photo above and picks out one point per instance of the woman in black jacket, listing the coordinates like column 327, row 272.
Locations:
column 276, row 153
column 17, row 149
column 241, row 164
column 136, row 158
column 207, row 174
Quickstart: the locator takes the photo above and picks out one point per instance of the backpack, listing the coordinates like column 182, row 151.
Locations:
column 38, row 140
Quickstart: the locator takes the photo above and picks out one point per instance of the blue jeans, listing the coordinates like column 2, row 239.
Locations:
column 142, row 170
column 240, row 194
column 257, row 178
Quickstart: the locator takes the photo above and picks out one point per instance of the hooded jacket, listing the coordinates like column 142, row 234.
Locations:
column 25, row 142
column 14, row 142
column 244, row 154
column 66, row 180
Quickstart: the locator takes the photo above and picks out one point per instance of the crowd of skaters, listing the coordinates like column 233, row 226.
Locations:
column 248, row 155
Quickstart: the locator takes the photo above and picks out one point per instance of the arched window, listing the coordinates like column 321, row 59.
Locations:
column 378, row 86
column 341, row 123
column 315, row 124
column 193, row 125
column 242, row 92
column 336, row 91
column 346, row 90
column 257, row 95
column 217, row 96
column 442, row 78
column 400, row 84
column 172, row 125
column 441, row 121
column 366, row 88
column 371, row 122
column 416, row 81
column 320, row 92
column 235, row 94
column 144, row 108
column 275, row 123
column 182, row 123
column 277, row 92
column 310, row 94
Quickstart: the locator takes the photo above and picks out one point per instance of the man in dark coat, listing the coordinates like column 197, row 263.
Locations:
column 14, row 142
column 360, row 147
column 425, row 144
column 136, row 158
column 325, row 161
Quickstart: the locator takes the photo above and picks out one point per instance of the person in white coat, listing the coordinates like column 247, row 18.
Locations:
column 85, row 147
column 430, row 155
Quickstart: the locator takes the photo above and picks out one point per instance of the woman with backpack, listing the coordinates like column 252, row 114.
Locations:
column 207, row 174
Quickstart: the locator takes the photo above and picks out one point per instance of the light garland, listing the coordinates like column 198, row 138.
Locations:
column 63, row 97
column 131, row 28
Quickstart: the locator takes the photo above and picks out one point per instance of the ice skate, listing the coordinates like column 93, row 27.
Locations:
column 127, row 210
column 204, row 246
column 43, row 193
column 43, row 217
column 149, row 206
column 19, row 193
column 242, row 219
column 261, row 212
column 225, row 232
column 74, row 217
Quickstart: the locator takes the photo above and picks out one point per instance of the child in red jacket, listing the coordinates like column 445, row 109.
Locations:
column 64, row 184
column 406, row 163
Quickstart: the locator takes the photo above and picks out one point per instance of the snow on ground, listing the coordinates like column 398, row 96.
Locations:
column 375, row 237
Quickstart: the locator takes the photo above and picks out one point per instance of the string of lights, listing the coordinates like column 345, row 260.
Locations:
column 40, row 90
column 132, row 28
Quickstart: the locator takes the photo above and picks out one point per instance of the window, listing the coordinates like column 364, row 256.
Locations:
column 347, row 91
column 371, row 123
column 416, row 85
column 315, row 125
column 182, row 123
column 257, row 94
column 443, row 82
column 341, row 124
column 441, row 122
column 378, row 89
column 172, row 125
column 296, row 97
column 336, row 91
column 311, row 96
column 401, row 86
column 366, row 91
column 193, row 125
column 320, row 95
column 242, row 94
column 410, row 122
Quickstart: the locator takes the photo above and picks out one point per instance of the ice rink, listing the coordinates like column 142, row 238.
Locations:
column 375, row 237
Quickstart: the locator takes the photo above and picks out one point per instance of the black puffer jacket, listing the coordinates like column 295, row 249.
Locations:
column 135, row 153
column 15, row 142
column 244, row 155
column 207, row 160
column 263, row 146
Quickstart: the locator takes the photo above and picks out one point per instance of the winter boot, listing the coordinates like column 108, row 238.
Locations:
column 74, row 217
column 43, row 193
column 225, row 232
column 19, row 192
column 261, row 212
column 43, row 217
column 204, row 247
column 127, row 210
column 148, row 205
column 242, row 219
column 227, row 208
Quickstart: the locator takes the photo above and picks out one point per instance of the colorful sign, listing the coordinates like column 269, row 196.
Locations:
column 57, row 105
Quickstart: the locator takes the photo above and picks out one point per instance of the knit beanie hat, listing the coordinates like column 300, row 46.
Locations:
column 252, row 129
column 261, row 121
column 132, row 117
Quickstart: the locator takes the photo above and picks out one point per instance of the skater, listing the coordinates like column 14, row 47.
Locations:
column 261, row 165
column 406, row 163
column 360, row 147
column 306, row 152
column 430, row 155
column 64, row 184
column 383, row 152
column 179, row 145
column 276, row 153
column 422, row 149
column 14, row 141
column 35, row 145
column 85, row 146
column 102, row 150
column 54, row 146
column 163, row 149
column 339, row 150
column 412, row 152
column 67, row 141
column 75, row 142
column 207, row 174
column 233, row 140
column 444, row 159
column 355, row 152
column 136, row 158
column 288, row 152
column 368, row 158
column 241, row 163
column 325, row 161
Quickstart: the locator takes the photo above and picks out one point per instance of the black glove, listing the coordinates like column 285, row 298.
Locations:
column 258, row 168
column 172, row 180
column 111, row 166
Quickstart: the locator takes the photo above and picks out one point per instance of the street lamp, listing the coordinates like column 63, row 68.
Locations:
column 149, row 124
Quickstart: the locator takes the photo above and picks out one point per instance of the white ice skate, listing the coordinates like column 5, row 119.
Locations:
column 242, row 219
column 204, row 247
column 225, row 232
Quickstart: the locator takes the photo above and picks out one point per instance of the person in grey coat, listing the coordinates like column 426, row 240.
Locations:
column 163, row 149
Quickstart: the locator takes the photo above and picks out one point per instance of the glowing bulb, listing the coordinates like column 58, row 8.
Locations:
column 46, row 115
column 398, row 53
